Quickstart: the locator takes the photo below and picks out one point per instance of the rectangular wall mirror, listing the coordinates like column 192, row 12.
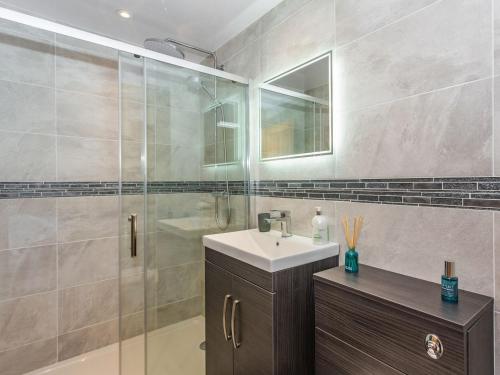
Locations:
column 295, row 111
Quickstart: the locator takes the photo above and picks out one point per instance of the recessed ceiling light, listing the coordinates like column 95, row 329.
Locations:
column 124, row 13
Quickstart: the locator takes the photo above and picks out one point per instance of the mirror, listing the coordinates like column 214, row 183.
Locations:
column 295, row 112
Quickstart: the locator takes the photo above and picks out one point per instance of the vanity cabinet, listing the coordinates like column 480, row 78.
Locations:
column 379, row 322
column 259, row 322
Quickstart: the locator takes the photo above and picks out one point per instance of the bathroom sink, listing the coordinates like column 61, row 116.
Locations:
column 268, row 250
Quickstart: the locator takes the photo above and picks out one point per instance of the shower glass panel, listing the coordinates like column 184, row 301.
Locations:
column 183, row 167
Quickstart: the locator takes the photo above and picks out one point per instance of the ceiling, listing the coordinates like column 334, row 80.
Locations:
column 205, row 23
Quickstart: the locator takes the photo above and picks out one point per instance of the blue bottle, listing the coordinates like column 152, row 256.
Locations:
column 449, row 283
column 351, row 261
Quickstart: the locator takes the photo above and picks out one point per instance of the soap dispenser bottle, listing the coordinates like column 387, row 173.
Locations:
column 449, row 283
column 320, row 233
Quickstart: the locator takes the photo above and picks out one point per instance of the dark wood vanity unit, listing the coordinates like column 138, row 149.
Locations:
column 379, row 322
column 257, row 322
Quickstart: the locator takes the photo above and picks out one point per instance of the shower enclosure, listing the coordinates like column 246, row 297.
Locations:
column 183, row 173
column 116, row 161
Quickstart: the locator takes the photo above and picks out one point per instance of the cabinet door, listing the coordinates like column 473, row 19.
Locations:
column 219, row 351
column 253, row 319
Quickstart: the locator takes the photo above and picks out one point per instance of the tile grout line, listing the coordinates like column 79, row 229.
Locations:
column 260, row 36
column 56, row 199
column 391, row 23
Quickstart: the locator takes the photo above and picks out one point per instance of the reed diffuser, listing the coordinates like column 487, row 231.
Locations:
column 351, row 255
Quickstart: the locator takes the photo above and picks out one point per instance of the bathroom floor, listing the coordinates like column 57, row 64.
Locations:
column 172, row 350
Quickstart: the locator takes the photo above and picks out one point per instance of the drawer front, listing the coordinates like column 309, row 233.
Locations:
column 387, row 334
column 334, row 356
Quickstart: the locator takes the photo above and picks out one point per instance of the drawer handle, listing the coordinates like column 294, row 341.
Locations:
column 236, row 343
column 433, row 346
column 224, row 309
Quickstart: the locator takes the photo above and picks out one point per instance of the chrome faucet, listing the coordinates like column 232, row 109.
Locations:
column 285, row 220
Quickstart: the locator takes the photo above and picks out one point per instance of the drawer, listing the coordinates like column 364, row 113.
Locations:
column 392, row 336
column 334, row 356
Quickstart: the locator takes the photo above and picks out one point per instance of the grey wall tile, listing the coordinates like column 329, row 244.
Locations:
column 132, row 325
column 355, row 18
column 86, row 305
column 87, row 218
column 86, row 67
column 178, row 311
column 247, row 62
column 263, row 25
column 496, row 125
column 132, row 121
column 444, row 133
column 131, row 161
column 27, row 157
column 132, row 294
column 83, row 159
column 29, row 357
column 496, row 36
column 87, row 261
column 25, row 30
column 27, row 271
column 86, row 115
column 28, row 319
column 27, row 108
column 87, row 339
column 27, row 222
column 132, row 77
column 301, row 37
column 27, row 56
column 398, row 60
column 416, row 241
column 173, row 249
column 179, row 283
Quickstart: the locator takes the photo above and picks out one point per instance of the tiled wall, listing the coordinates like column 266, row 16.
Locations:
column 59, row 256
column 413, row 96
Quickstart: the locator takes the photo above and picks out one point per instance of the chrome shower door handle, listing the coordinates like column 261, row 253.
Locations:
column 236, row 343
column 224, row 309
column 133, row 235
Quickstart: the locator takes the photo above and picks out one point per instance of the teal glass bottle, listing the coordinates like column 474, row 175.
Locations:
column 351, row 261
column 449, row 283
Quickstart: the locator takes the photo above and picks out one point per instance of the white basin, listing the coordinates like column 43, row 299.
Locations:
column 268, row 250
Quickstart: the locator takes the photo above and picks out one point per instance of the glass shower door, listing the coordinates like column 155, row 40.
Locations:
column 183, row 174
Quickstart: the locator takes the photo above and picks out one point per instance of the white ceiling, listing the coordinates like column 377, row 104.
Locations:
column 204, row 23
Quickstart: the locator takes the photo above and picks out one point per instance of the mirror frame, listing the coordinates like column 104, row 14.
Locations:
column 269, row 87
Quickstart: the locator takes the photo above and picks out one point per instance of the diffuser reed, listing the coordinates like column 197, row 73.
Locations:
column 351, row 255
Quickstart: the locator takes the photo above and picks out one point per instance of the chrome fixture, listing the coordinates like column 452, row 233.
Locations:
column 236, row 343
column 196, row 83
column 433, row 346
column 285, row 220
column 227, row 336
column 164, row 47
column 171, row 47
column 133, row 235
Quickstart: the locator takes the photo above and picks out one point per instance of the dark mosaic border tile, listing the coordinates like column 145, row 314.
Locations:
column 18, row 190
column 458, row 192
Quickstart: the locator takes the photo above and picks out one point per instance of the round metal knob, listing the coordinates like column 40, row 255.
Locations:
column 433, row 346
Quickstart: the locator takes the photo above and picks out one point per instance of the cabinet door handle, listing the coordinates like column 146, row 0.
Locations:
column 224, row 309
column 133, row 235
column 236, row 343
column 433, row 346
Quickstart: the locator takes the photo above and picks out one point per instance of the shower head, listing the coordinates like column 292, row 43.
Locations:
column 164, row 46
column 195, row 83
